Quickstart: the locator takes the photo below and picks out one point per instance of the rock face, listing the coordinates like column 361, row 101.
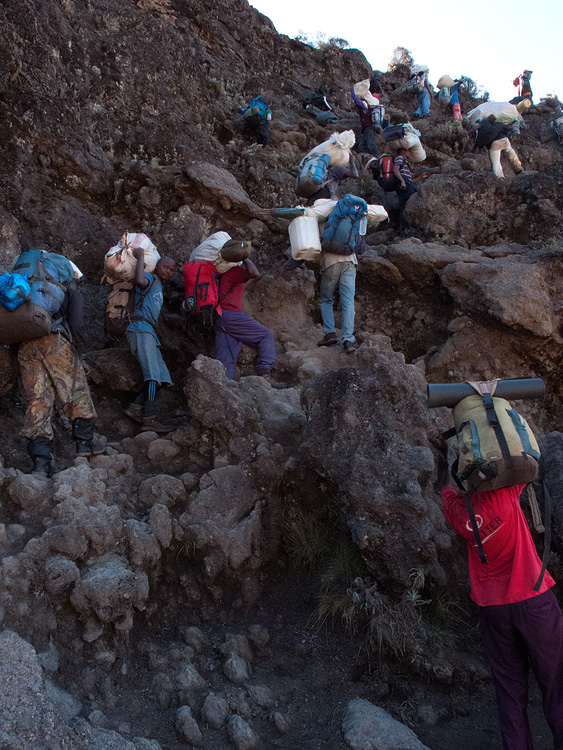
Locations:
column 366, row 437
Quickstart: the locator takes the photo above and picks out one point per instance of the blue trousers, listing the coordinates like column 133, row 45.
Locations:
column 423, row 109
column 342, row 275
column 232, row 330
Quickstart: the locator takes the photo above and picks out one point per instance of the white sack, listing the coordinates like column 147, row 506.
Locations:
column 503, row 111
column 445, row 82
column 337, row 147
column 120, row 263
column 210, row 247
column 361, row 89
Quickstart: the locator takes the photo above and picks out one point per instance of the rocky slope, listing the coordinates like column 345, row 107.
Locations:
column 180, row 590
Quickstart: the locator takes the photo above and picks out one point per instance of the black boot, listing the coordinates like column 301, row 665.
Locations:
column 83, row 434
column 39, row 450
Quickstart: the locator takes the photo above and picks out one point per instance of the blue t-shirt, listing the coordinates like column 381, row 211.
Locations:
column 454, row 94
column 148, row 304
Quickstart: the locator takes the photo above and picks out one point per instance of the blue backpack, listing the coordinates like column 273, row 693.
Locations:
column 46, row 273
column 313, row 175
column 257, row 108
column 345, row 226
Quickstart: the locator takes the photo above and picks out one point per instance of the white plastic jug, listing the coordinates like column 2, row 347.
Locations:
column 305, row 238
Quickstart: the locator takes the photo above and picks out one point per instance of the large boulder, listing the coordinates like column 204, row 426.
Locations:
column 369, row 727
column 366, row 438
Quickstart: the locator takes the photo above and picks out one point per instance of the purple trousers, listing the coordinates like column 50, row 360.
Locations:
column 232, row 330
column 517, row 636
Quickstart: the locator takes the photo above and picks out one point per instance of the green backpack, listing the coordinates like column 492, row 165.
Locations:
column 497, row 449
column 496, row 446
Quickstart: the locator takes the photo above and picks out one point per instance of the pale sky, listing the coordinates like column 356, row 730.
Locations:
column 490, row 41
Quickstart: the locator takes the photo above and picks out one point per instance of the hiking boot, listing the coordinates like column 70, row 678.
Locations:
column 350, row 346
column 519, row 171
column 414, row 116
column 88, row 448
column 328, row 340
column 42, row 466
column 135, row 412
column 151, row 424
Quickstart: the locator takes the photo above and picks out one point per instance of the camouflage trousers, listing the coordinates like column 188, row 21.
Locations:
column 50, row 366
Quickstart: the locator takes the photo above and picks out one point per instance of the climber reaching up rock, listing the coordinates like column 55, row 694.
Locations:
column 345, row 224
column 45, row 317
column 419, row 77
column 523, row 83
column 255, row 120
column 365, row 96
column 233, row 327
column 145, row 344
column 493, row 136
column 316, row 105
column 327, row 165
column 407, row 183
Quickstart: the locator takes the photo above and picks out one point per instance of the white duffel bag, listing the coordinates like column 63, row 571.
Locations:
column 120, row 263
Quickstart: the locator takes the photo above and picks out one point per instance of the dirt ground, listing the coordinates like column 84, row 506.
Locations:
column 313, row 673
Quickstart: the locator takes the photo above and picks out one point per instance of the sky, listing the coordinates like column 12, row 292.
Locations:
column 490, row 41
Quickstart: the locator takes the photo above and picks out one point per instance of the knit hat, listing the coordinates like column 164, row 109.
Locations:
column 234, row 251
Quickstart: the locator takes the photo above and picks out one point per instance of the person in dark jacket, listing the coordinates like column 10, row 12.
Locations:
column 256, row 121
column 368, row 140
column 51, row 366
column 524, row 84
column 493, row 136
column 407, row 183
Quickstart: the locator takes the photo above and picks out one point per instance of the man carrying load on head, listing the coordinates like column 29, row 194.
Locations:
column 233, row 327
column 144, row 343
column 523, row 84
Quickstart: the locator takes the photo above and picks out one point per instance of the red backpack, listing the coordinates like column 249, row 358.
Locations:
column 202, row 289
column 386, row 178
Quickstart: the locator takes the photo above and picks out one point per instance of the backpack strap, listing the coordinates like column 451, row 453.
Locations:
column 44, row 274
column 493, row 420
column 476, row 534
column 547, row 535
column 486, row 391
column 137, row 317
